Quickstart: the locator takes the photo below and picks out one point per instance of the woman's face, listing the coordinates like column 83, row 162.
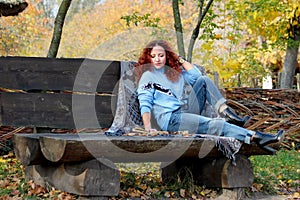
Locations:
column 158, row 57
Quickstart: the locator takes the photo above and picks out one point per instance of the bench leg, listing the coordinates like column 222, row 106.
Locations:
column 91, row 178
column 213, row 173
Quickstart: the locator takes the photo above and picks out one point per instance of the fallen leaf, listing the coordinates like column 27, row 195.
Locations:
column 15, row 192
column 182, row 193
column 257, row 187
column 167, row 194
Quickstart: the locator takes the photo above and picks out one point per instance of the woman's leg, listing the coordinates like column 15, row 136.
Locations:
column 197, row 124
column 205, row 90
column 205, row 87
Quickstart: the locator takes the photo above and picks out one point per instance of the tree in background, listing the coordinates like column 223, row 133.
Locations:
column 204, row 8
column 271, row 25
column 58, row 27
column 235, row 38
column 24, row 34
column 290, row 61
column 115, row 29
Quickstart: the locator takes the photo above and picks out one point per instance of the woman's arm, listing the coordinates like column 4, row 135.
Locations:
column 185, row 64
column 191, row 73
column 147, row 121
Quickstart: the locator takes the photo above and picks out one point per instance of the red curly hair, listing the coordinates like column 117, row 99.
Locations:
column 172, row 72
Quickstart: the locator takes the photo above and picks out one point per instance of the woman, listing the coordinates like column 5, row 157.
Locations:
column 161, row 76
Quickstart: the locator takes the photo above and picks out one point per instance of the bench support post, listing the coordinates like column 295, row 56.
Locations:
column 90, row 178
column 214, row 173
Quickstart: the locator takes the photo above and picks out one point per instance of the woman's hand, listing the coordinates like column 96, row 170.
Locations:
column 147, row 122
column 151, row 130
column 185, row 64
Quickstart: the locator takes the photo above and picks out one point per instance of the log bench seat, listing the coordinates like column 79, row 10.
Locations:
column 39, row 93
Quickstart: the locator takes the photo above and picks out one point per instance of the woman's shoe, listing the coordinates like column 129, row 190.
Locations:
column 233, row 118
column 263, row 139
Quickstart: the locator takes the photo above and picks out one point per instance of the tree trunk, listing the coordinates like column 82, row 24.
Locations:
column 290, row 63
column 59, row 22
column 178, row 28
column 195, row 33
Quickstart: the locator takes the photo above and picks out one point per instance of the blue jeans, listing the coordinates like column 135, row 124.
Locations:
column 192, row 120
column 204, row 90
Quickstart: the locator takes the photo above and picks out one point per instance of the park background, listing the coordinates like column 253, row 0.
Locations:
column 240, row 43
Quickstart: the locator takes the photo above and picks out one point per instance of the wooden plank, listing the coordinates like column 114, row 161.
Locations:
column 36, row 73
column 116, row 149
column 86, row 146
column 91, row 178
column 56, row 110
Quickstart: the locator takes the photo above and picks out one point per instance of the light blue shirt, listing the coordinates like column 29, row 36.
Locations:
column 160, row 96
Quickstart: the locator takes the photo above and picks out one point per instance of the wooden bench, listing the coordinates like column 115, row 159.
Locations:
column 39, row 93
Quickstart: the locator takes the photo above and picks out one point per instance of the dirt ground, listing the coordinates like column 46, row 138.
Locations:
column 231, row 195
column 261, row 196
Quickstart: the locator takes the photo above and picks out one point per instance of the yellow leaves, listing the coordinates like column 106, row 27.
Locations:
column 13, row 184
column 20, row 33
column 134, row 192
column 250, row 31
column 230, row 37
column 296, row 195
column 35, row 189
column 295, row 23
column 231, row 64
column 290, row 181
column 257, row 187
column 217, row 62
column 255, row 15
column 218, row 36
column 297, row 13
column 207, row 46
column 202, row 193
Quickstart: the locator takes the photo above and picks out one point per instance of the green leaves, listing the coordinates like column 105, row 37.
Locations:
column 136, row 19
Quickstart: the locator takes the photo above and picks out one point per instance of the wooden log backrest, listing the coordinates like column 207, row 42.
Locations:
column 39, row 92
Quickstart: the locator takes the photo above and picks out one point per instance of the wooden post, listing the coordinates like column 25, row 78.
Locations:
column 219, row 172
column 91, row 178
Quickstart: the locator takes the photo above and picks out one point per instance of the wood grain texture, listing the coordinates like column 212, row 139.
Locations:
column 57, row 110
column 91, row 178
column 86, row 146
column 36, row 73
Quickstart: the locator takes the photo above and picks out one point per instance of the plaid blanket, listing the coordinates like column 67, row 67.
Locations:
column 128, row 116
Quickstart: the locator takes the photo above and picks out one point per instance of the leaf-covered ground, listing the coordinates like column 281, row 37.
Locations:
column 276, row 175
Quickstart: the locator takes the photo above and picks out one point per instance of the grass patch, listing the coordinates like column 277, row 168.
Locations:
column 277, row 173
